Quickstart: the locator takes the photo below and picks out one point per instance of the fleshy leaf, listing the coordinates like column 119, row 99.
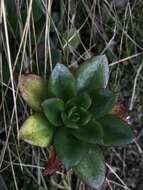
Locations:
column 33, row 89
column 85, row 116
column 93, row 74
column 103, row 101
column 69, row 150
column 116, row 131
column 90, row 133
column 62, row 83
column 52, row 108
column 36, row 130
column 82, row 100
column 67, row 122
column 92, row 168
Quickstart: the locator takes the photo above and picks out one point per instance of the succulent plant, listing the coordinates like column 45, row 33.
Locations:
column 74, row 113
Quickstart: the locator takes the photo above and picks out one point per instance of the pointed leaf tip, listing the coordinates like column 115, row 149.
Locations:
column 62, row 83
column 116, row 131
column 93, row 74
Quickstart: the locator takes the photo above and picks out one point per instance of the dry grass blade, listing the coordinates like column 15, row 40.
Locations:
column 27, row 47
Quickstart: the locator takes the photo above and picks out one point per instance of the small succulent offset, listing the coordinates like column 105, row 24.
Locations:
column 75, row 114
